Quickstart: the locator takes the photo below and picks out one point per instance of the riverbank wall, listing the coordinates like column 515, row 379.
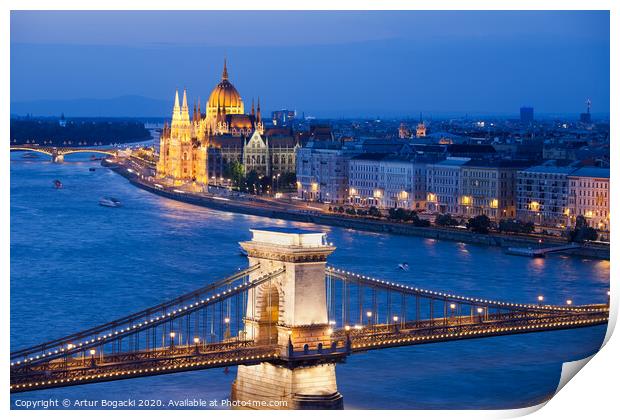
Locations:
column 594, row 251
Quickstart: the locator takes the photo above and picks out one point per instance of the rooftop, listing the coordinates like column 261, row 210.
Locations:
column 453, row 162
column 289, row 237
column 591, row 172
column 551, row 169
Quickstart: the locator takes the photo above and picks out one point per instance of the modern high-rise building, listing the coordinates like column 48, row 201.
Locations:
column 527, row 115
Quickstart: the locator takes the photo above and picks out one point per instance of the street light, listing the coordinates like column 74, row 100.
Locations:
column 369, row 316
column 452, row 308
column 196, row 343
column 172, row 335
column 569, row 302
column 227, row 322
column 540, row 299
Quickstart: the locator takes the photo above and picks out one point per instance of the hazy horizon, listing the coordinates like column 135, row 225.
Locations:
column 326, row 64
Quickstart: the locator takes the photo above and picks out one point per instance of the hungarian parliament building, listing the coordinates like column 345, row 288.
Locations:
column 202, row 146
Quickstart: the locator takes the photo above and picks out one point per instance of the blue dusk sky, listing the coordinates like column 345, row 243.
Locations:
column 326, row 64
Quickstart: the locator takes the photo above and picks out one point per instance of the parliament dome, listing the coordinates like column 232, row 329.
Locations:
column 225, row 96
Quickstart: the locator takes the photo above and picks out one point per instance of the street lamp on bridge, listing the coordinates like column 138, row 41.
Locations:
column 172, row 335
column 227, row 333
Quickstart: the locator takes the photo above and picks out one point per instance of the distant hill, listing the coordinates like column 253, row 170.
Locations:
column 122, row 106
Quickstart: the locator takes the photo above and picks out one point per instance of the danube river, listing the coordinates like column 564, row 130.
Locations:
column 75, row 264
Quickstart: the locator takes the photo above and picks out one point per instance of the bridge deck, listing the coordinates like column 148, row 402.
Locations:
column 82, row 370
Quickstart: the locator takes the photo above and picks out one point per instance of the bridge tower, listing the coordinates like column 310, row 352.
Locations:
column 289, row 312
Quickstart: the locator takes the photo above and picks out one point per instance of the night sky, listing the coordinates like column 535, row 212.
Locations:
column 326, row 64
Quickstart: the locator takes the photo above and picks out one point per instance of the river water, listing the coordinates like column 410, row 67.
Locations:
column 75, row 264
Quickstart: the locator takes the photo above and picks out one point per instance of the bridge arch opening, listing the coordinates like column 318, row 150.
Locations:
column 269, row 315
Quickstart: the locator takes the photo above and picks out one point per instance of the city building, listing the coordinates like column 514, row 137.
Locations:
column 225, row 112
column 182, row 157
column 283, row 118
column 586, row 117
column 204, row 147
column 322, row 172
column 443, row 183
column 472, row 151
column 380, row 179
column 588, row 196
column 489, row 188
column 420, row 130
column 259, row 153
column 387, row 180
column 527, row 115
column 542, row 195
column 403, row 131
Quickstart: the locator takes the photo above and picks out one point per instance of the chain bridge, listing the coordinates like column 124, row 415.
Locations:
column 285, row 321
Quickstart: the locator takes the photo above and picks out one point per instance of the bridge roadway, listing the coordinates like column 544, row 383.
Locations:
column 76, row 370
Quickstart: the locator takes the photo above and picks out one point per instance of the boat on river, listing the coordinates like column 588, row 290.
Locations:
column 109, row 202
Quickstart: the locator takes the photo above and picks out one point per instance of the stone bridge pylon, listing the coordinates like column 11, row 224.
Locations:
column 289, row 311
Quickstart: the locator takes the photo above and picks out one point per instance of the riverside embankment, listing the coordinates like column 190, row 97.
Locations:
column 598, row 251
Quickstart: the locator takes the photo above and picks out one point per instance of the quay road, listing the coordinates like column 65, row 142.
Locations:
column 140, row 173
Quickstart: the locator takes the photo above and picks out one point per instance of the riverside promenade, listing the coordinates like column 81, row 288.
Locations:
column 281, row 211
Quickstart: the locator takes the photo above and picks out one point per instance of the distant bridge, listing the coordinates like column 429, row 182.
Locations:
column 58, row 153
column 287, row 314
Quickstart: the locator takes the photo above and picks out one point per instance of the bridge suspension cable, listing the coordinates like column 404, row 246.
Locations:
column 150, row 318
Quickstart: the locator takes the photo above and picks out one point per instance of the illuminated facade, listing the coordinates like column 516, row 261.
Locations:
column 182, row 157
column 443, row 183
column 222, row 135
column 290, row 311
column 542, row 195
column 588, row 196
column 420, row 130
column 488, row 188
column 322, row 172
column 387, row 181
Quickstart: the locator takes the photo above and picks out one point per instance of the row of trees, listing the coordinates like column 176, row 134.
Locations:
column 254, row 183
column 482, row 224
column 88, row 132
column 478, row 224
column 411, row 216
